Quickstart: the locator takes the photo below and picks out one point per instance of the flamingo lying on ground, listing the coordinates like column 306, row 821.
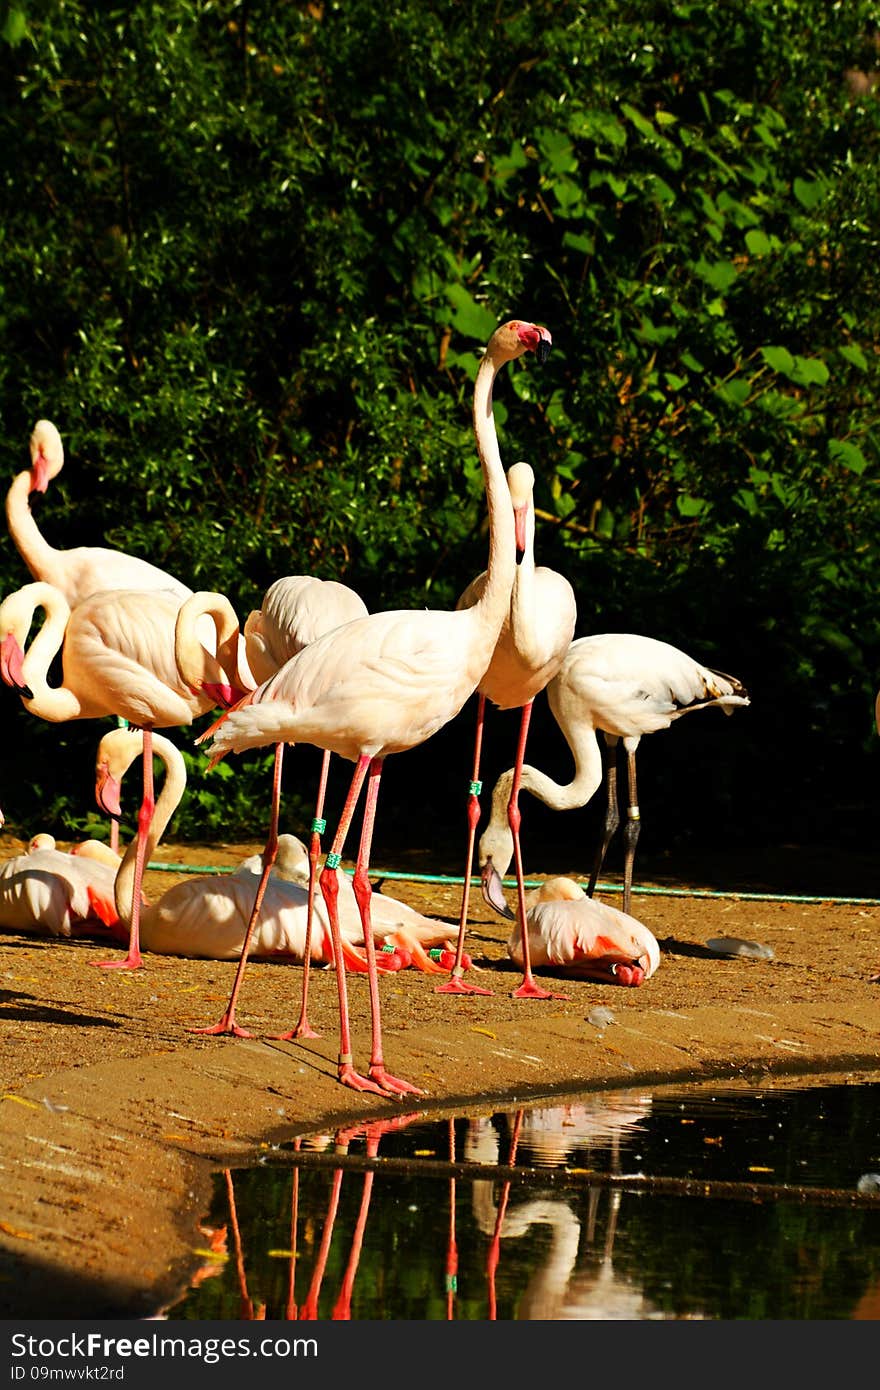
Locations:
column 295, row 611
column 583, row 937
column 534, row 638
column 382, row 684
column 49, row 893
column 624, row 686
column 207, row 916
column 118, row 658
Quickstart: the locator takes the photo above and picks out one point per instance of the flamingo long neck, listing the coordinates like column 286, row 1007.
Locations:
column 197, row 665
column 53, row 703
column 496, row 841
column 173, row 787
column 41, row 558
column 494, row 602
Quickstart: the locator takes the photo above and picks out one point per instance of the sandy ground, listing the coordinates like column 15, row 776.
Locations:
column 114, row 1118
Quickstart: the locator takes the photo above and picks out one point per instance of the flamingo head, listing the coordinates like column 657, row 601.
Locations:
column 108, row 789
column 517, row 336
column 12, row 665
column 521, row 482
column 492, row 888
column 47, row 455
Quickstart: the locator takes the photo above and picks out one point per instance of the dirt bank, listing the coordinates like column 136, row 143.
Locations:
column 114, row 1117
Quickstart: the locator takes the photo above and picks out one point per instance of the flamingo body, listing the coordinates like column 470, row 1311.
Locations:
column 582, row 936
column 295, row 611
column 49, row 893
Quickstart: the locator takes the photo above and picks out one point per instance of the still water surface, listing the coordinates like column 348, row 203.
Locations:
column 689, row 1203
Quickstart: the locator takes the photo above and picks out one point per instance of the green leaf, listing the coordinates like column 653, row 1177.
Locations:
column 758, row 243
column 14, row 27
column 690, row 506
column 810, row 371
column 810, row 193
column 853, row 353
column 847, row 454
column 780, row 359
column 719, row 274
column 470, row 318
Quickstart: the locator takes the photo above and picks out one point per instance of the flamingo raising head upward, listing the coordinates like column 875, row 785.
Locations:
column 86, row 569
column 385, row 683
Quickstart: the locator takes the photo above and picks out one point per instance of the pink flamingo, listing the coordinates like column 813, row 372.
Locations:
column 49, row 892
column 86, row 569
column 531, row 646
column 583, row 937
column 118, row 658
column 624, row 686
column 382, row 684
column 295, row 611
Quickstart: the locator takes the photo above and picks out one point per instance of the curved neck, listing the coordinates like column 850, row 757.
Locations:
column 39, row 556
column 173, row 787
column 53, row 703
column 494, row 602
column 200, row 668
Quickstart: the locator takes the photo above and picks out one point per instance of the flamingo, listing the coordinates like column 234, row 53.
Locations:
column 624, row 686
column 206, row 917
column 295, row 610
column 86, row 569
column 534, row 638
column 118, row 658
column 383, row 684
column 47, row 892
column 583, row 937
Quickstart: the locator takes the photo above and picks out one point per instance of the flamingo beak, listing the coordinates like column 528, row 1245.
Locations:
column 493, row 890
column 519, row 521
column 39, row 473
column 108, row 790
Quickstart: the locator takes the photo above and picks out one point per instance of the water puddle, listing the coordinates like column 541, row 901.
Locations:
column 692, row 1203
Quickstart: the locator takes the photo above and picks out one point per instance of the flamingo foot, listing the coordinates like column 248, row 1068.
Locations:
column 392, row 1085
column 129, row 962
column 530, row 990
column 226, row 1024
column 631, row 975
column 456, row 985
column 303, row 1029
column 349, row 1077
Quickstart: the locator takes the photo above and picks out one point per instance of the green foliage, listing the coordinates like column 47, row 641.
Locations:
column 250, row 255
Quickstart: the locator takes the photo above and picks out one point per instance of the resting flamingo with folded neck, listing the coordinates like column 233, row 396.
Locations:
column 48, row 892
column 118, row 659
column 533, row 641
column 86, row 569
column 206, row 916
column 583, row 937
column 380, row 685
column 295, row 611
column 623, row 686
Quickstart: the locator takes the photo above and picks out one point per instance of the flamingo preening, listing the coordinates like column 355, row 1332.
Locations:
column 48, row 892
column 623, row 686
column 380, row 685
column 532, row 643
column 118, row 658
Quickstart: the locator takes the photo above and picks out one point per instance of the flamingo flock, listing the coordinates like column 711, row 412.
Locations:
column 312, row 665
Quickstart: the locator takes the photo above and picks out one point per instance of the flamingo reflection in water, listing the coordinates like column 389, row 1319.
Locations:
column 561, row 1288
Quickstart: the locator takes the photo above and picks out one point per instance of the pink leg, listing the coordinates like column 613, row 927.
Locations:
column 528, row 989
column 227, row 1023
column 145, row 819
column 342, row 1306
column 451, row 1246
column 456, row 984
column 390, row 1085
column 495, row 1247
column 309, row 1310
column 290, row 1311
column 302, row 1028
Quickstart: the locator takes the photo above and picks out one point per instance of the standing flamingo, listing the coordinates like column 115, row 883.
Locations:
column 118, row 658
column 295, row 610
column 533, row 641
column 86, row 569
column 624, row 686
column 382, row 684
